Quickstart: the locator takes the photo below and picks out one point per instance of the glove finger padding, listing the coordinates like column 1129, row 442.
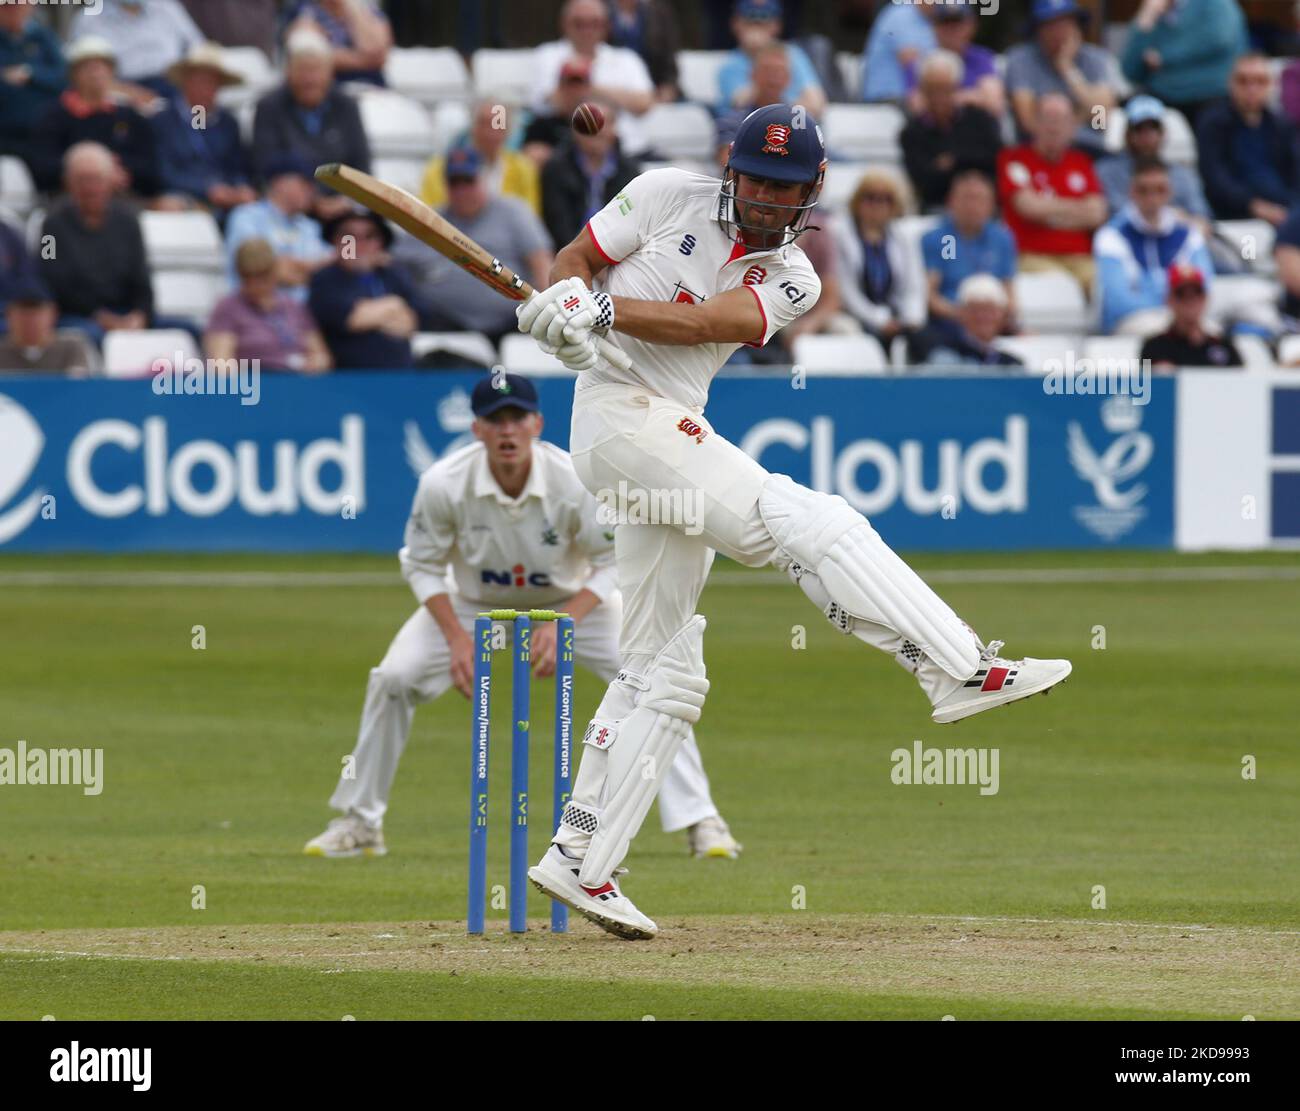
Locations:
column 578, row 356
column 528, row 312
column 545, row 324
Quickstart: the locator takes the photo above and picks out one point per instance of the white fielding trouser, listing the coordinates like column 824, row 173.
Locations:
column 417, row 668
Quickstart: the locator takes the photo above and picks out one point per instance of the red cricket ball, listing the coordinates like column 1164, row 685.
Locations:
column 587, row 119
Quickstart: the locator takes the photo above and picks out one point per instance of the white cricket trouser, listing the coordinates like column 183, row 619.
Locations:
column 621, row 434
column 417, row 668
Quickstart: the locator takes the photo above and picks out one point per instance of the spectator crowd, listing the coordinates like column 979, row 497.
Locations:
column 1052, row 158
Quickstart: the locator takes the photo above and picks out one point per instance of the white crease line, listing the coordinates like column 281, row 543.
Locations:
column 1059, row 576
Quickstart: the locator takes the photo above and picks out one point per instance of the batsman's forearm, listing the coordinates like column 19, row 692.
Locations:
column 670, row 322
column 569, row 263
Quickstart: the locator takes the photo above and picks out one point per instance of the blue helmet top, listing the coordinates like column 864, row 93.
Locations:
column 779, row 141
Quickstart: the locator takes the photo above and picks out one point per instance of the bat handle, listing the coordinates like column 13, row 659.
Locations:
column 613, row 353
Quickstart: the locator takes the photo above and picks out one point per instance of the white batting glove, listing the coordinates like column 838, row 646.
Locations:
column 536, row 314
column 581, row 313
column 576, row 356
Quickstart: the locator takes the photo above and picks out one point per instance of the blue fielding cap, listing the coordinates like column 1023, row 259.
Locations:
column 515, row 392
column 769, row 145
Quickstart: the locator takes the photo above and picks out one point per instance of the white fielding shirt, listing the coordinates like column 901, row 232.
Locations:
column 664, row 242
column 466, row 536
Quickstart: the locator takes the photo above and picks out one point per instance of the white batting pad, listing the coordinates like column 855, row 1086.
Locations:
column 863, row 575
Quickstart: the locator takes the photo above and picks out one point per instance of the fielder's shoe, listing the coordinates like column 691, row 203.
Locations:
column 556, row 875
column 997, row 682
column 712, row 838
column 347, row 836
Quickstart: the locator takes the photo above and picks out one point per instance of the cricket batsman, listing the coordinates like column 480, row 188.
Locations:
column 507, row 507
column 679, row 270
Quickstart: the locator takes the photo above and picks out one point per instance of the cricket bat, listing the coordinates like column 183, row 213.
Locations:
column 426, row 225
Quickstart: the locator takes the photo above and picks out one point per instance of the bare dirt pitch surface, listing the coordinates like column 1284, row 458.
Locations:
column 1084, row 967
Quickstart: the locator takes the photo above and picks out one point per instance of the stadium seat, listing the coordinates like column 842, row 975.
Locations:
column 1288, row 350
column 1034, row 351
column 130, row 354
column 1116, row 125
column 1256, row 354
column 472, row 345
column 252, row 65
column 1253, row 240
column 1179, row 146
column 405, row 173
column 914, row 227
column 505, row 75
column 191, row 294
column 1127, row 348
column 451, row 120
column 521, row 355
column 850, row 67
column 680, row 129
column 864, row 131
column 396, row 126
column 1244, row 298
column 697, row 74
column 17, row 191
column 427, row 74
column 835, row 355
column 182, row 240
column 1050, row 301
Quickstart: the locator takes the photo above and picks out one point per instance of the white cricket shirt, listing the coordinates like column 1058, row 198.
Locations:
column 466, row 536
column 665, row 243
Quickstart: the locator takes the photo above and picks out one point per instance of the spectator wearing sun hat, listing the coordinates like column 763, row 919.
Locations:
column 367, row 309
column 147, row 36
column 89, row 110
column 200, row 152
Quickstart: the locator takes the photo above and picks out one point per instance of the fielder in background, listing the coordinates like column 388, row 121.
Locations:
column 501, row 524
column 684, row 268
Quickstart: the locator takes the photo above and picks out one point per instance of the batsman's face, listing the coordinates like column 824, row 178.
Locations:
column 757, row 198
column 508, row 434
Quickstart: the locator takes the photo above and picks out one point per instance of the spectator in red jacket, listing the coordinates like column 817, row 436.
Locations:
column 1051, row 196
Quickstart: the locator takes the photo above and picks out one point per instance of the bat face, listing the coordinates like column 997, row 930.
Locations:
column 426, row 225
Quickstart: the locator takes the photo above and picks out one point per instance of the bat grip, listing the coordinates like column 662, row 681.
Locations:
column 613, row 353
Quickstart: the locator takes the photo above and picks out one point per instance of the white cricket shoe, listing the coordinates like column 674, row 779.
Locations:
column 556, row 875
column 348, row 836
column 999, row 681
column 712, row 838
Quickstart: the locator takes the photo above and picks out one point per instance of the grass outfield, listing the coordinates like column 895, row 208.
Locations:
column 912, row 901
